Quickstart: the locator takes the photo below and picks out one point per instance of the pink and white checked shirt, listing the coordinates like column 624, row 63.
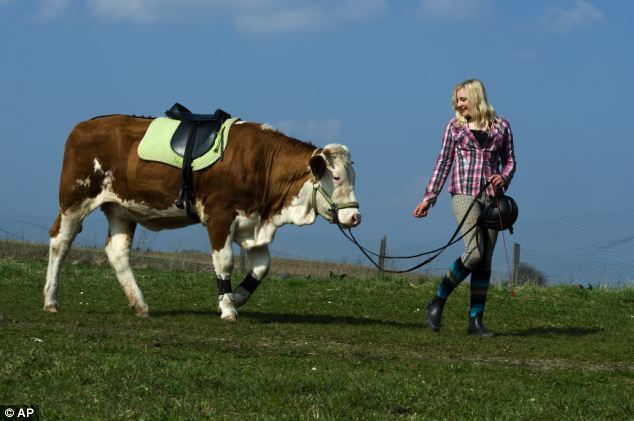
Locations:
column 473, row 164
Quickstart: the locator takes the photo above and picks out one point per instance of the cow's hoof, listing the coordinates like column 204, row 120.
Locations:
column 51, row 308
column 229, row 314
column 227, row 308
column 141, row 311
column 229, row 317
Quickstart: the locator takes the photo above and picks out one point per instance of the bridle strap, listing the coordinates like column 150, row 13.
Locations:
column 334, row 207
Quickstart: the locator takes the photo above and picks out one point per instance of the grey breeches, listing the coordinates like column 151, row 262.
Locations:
column 480, row 242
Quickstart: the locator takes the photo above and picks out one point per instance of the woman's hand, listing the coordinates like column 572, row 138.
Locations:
column 420, row 211
column 497, row 181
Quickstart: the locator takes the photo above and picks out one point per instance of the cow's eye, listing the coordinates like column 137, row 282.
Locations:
column 336, row 178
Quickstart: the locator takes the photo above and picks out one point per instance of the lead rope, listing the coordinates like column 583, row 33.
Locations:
column 506, row 254
column 437, row 251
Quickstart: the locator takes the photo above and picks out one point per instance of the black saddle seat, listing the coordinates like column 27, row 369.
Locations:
column 202, row 135
column 198, row 131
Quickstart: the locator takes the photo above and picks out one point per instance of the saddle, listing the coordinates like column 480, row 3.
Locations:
column 193, row 138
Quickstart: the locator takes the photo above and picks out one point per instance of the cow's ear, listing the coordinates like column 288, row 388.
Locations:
column 318, row 166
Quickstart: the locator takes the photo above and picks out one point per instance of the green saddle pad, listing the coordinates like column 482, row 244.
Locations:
column 155, row 145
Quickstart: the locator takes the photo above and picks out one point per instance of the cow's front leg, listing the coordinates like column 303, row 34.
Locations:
column 223, row 264
column 222, row 256
column 261, row 260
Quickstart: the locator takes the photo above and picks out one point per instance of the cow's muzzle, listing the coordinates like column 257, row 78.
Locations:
column 333, row 211
column 348, row 221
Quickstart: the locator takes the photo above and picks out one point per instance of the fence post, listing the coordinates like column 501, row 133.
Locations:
column 516, row 264
column 243, row 260
column 382, row 255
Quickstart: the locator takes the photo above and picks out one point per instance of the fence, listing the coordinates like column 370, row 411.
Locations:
column 583, row 249
column 514, row 270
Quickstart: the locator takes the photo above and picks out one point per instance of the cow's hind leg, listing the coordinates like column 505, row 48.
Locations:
column 118, row 245
column 63, row 232
column 261, row 260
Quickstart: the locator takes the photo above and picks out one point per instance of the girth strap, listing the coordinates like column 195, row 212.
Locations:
column 186, row 196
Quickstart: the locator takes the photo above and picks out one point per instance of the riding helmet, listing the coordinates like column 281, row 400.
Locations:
column 499, row 214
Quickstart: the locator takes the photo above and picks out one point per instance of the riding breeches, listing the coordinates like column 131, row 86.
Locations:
column 479, row 242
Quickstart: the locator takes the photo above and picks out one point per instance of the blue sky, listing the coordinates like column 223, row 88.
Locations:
column 375, row 75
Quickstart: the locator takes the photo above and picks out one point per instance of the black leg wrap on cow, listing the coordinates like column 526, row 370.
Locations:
column 224, row 286
column 250, row 283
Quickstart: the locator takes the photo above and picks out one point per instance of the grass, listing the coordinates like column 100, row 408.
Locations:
column 352, row 348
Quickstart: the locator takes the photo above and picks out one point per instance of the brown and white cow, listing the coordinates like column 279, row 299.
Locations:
column 265, row 180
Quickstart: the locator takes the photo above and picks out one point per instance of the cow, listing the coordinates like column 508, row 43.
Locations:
column 265, row 180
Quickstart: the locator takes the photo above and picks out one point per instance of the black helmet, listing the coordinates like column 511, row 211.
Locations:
column 499, row 214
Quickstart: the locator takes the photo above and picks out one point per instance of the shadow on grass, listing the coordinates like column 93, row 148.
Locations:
column 321, row 319
column 554, row 331
column 264, row 317
column 206, row 313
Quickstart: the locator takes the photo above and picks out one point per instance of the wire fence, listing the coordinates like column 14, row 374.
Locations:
column 586, row 249
column 595, row 249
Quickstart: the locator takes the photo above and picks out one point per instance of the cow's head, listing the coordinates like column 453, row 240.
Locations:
column 333, row 190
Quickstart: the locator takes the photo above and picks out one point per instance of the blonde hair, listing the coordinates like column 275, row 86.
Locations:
column 482, row 113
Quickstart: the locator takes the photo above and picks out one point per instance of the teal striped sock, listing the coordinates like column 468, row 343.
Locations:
column 456, row 274
column 480, row 280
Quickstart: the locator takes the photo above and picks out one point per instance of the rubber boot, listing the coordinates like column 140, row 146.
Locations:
column 477, row 328
column 434, row 313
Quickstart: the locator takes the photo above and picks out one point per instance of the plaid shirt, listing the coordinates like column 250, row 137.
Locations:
column 474, row 164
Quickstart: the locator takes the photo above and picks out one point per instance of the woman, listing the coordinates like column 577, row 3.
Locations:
column 479, row 144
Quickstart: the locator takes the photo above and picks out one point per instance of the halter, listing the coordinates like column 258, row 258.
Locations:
column 334, row 207
column 333, row 218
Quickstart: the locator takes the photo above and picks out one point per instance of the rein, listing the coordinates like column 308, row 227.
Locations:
column 350, row 236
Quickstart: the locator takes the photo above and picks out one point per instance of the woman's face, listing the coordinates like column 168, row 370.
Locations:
column 463, row 103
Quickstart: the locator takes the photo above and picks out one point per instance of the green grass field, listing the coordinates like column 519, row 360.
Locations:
column 304, row 349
